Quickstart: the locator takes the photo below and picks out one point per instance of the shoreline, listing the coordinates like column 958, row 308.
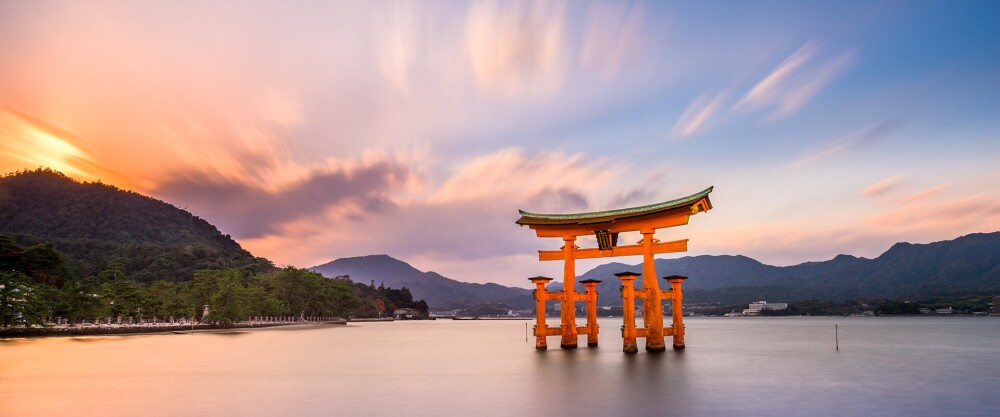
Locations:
column 40, row 332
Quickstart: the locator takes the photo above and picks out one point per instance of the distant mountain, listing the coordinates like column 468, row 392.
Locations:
column 438, row 291
column 98, row 226
column 967, row 264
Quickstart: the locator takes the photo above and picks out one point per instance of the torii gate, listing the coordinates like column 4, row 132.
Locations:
column 606, row 225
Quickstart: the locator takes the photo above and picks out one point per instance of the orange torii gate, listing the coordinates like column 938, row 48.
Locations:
column 606, row 225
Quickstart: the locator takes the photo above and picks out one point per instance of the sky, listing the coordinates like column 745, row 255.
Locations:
column 311, row 130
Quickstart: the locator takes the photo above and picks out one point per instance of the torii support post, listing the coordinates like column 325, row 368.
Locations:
column 568, row 306
column 677, row 309
column 652, row 306
column 628, row 311
column 592, row 328
column 541, row 294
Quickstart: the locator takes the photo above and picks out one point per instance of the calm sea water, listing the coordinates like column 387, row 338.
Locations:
column 733, row 366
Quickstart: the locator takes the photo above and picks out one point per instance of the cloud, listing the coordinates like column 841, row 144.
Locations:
column 793, row 83
column 883, row 186
column 468, row 218
column 868, row 235
column 612, row 37
column 249, row 211
column 514, row 176
column 975, row 213
column 766, row 90
column 921, row 196
column 851, row 141
column 29, row 142
column 642, row 194
column 517, row 48
column 696, row 115
column 396, row 40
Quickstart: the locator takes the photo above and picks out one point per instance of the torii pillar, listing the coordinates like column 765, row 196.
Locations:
column 591, row 286
column 677, row 310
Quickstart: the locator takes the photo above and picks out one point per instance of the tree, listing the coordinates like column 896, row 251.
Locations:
column 169, row 299
column 81, row 299
column 231, row 301
column 13, row 298
column 125, row 298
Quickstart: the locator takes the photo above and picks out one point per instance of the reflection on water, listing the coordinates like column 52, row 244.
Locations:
column 747, row 367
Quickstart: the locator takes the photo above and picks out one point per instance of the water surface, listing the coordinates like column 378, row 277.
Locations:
column 732, row 366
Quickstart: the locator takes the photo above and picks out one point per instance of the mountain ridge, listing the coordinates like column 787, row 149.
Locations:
column 969, row 263
column 439, row 291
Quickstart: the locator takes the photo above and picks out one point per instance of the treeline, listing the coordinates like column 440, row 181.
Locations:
column 233, row 296
column 36, row 288
column 383, row 301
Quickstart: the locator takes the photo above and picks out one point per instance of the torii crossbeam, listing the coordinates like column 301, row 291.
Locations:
column 606, row 225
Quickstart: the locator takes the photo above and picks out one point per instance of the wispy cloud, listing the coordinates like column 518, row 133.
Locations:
column 697, row 115
column 644, row 193
column 766, row 90
column 922, row 195
column 974, row 213
column 513, row 175
column 883, row 186
column 844, row 143
column 517, row 48
column 793, row 83
column 612, row 37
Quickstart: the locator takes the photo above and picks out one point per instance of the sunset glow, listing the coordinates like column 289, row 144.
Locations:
column 311, row 131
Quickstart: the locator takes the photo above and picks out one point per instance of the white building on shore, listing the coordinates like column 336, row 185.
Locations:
column 755, row 308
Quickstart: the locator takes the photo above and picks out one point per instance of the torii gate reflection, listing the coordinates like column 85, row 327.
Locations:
column 606, row 225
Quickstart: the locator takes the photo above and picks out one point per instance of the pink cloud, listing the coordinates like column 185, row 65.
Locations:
column 517, row 48
column 883, row 186
column 612, row 38
column 697, row 115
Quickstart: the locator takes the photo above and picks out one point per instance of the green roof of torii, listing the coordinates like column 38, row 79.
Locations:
column 611, row 215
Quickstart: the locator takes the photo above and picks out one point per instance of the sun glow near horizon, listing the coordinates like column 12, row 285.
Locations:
column 313, row 131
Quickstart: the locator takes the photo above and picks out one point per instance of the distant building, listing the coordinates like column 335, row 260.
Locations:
column 948, row 310
column 406, row 313
column 755, row 308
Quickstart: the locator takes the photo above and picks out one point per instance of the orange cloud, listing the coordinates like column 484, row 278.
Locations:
column 28, row 142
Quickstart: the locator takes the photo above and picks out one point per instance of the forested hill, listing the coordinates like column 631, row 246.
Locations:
column 99, row 227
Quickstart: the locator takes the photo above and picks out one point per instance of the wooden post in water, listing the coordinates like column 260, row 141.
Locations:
column 541, row 294
column 652, row 308
column 677, row 310
column 836, row 334
column 591, row 286
column 568, row 306
column 628, row 311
